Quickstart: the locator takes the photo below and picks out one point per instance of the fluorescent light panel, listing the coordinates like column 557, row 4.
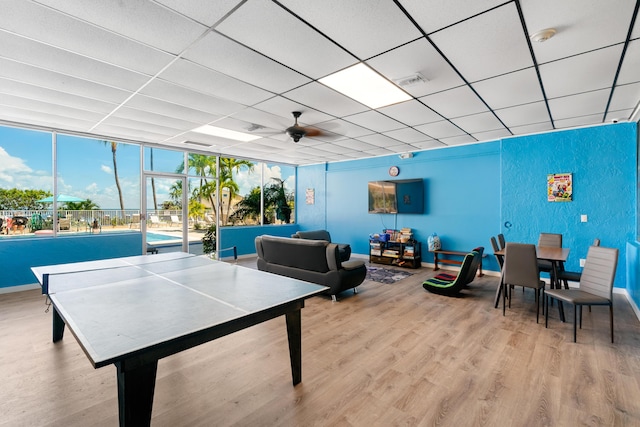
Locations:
column 226, row 133
column 366, row 86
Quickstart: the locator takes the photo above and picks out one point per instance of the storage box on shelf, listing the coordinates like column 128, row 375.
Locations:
column 402, row 254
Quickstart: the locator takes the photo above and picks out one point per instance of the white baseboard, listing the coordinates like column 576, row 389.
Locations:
column 19, row 288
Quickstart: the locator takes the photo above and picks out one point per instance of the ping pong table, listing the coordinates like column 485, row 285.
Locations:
column 133, row 311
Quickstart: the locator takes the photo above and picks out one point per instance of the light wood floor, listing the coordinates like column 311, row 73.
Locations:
column 390, row 355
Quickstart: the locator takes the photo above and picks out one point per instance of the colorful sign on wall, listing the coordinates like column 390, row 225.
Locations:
column 559, row 187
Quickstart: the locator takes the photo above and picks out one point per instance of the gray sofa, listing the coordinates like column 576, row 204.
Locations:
column 343, row 249
column 316, row 261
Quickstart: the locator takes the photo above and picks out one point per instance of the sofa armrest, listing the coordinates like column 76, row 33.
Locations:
column 352, row 265
column 333, row 257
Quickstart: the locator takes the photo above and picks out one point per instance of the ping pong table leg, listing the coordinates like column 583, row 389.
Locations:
column 58, row 326
column 294, row 332
column 136, row 386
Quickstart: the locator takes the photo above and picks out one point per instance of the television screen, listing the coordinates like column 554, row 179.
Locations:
column 396, row 196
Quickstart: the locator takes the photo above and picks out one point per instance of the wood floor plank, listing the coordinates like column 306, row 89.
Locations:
column 391, row 355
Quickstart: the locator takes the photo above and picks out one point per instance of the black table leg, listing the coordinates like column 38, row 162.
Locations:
column 136, row 386
column 294, row 332
column 58, row 326
column 555, row 284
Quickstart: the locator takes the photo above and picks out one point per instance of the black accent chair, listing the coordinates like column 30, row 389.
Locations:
column 449, row 285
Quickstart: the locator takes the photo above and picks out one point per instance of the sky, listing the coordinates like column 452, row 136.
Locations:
column 86, row 170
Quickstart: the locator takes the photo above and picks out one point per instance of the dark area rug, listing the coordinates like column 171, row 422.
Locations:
column 386, row 275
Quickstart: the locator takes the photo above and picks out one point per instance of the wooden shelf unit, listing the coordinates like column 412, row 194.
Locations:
column 437, row 259
column 402, row 254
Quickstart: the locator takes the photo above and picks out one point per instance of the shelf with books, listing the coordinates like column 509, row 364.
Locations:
column 401, row 254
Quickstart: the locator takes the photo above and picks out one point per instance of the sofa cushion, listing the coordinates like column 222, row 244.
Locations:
column 308, row 254
column 314, row 235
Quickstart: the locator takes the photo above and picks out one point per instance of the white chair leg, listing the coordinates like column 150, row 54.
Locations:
column 355, row 290
column 333, row 298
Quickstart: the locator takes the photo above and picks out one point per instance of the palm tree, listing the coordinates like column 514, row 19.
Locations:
column 204, row 166
column 85, row 205
column 275, row 196
column 114, row 146
column 227, row 166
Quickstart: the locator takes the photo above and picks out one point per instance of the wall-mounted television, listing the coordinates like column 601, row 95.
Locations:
column 396, row 196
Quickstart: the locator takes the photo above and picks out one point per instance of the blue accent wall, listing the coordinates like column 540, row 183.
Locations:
column 462, row 198
column 472, row 190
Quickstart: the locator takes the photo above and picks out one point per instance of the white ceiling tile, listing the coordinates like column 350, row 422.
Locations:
column 166, row 108
column 355, row 144
column 491, row 44
column 433, row 15
column 559, row 77
column 630, row 71
column 321, row 98
column 458, row 140
column 142, row 21
column 375, row 121
column 48, row 26
column 60, row 82
column 425, row 145
column 343, row 127
column 204, row 80
column 50, row 108
column 579, row 105
column 578, row 121
column 442, row 129
column 203, row 11
column 160, row 120
column 411, row 113
column 520, row 115
column 417, row 57
column 508, row 90
column 267, row 28
column 618, row 115
column 407, row 135
column 492, row 135
column 532, row 128
column 187, row 97
column 214, row 51
column 363, row 27
column 39, row 55
column 126, row 132
column 152, row 128
column 456, row 102
column 279, row 106
column 28, row 91
column 379, row 140
column 478, row 122
column 625, row 96
column 54, row 121
column 582, row 25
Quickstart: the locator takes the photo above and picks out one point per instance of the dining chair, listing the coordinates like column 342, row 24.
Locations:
column 573, row 276
column 521, row 269
column 552, row 240
column 596, row 286
column 501, row 241
column 496, row 248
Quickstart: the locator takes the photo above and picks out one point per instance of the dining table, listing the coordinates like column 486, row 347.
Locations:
column 557, row 257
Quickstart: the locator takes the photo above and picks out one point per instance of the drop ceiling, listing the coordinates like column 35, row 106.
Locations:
column 152, row 71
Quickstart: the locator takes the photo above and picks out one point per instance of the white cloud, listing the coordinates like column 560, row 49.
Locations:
column 10, row 167
column 106, row 169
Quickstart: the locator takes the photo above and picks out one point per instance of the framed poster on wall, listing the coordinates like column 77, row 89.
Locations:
column 560, row 187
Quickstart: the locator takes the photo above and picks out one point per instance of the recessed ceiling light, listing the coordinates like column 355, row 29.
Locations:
column 226, row 133
column 543, row 35
column 361, row 83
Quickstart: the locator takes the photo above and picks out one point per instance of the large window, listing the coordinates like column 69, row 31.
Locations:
column 98, row 186
column 25, row 178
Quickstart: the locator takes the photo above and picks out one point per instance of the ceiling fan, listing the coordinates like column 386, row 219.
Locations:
column 296, row 132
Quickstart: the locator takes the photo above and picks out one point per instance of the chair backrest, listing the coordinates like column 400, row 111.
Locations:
column 599, row 271
column 596, row 242
column 494, row 244
column 174, row 218
column 470, row 273
column 501, row 241
column 550, row 239
column 521, row 265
